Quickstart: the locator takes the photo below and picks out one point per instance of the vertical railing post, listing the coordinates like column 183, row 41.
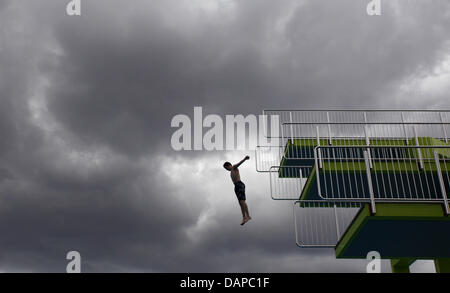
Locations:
column 265, row 121
column 404, row 129
column 419, row 152
column 330, row 141
column 257, row 158
column 443, row 128
column 295, row 222
column 338, row 233
column 292, row 134
column 319, row 155
column 367, row 140
column 317, row 162
column 292, row 129
column 301, row 180
column 270, row 179
column 283, row 148
column 441, row 182
column 369, row 183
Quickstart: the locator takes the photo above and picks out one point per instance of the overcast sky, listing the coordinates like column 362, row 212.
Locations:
column 86, row 103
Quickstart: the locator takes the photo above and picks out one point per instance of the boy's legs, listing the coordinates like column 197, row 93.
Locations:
column 240, row 193
column 241, row 204
column 244, row 209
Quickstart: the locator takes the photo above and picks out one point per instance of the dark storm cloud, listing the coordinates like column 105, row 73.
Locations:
column 85, row 153
column 122, row 74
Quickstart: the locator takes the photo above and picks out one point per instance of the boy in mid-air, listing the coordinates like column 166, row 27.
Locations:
column 239, row 188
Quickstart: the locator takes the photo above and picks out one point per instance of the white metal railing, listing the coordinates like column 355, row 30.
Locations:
column 361, row 157
column 322, row 223
column 358, row 116
column 268, row 156
column 390, row 173
column 299, row 138
column 287, row 182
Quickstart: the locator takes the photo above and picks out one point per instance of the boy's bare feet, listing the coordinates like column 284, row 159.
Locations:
column 245, row 220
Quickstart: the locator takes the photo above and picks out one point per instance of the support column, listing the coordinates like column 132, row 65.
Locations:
column 401, row 265
column 442, row 265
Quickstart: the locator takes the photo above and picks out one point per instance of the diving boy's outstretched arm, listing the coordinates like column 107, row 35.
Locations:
column 240, row 163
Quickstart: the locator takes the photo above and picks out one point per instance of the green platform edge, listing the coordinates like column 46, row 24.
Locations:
column 360, row 166
column 390, row 211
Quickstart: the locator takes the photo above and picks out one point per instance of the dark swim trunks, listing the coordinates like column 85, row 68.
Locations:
column 239, row 189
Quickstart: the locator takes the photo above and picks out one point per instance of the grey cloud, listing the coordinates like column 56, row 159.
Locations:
column 139, row 71
column 90, row 173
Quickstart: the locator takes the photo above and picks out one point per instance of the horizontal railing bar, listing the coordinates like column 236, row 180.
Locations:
column 316, row 233
column 314, row 246
column 359, row 158
column 367, row 200
column 407, row 189
column 280, row 188
column 360, row 110
column 386, row 146
column 365, row 123
column 320, row 230
column 361, row 137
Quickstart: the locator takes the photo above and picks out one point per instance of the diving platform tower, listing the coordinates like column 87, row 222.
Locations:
column 362, row 181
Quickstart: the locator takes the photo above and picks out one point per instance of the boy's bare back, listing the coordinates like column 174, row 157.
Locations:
column 235, row 176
